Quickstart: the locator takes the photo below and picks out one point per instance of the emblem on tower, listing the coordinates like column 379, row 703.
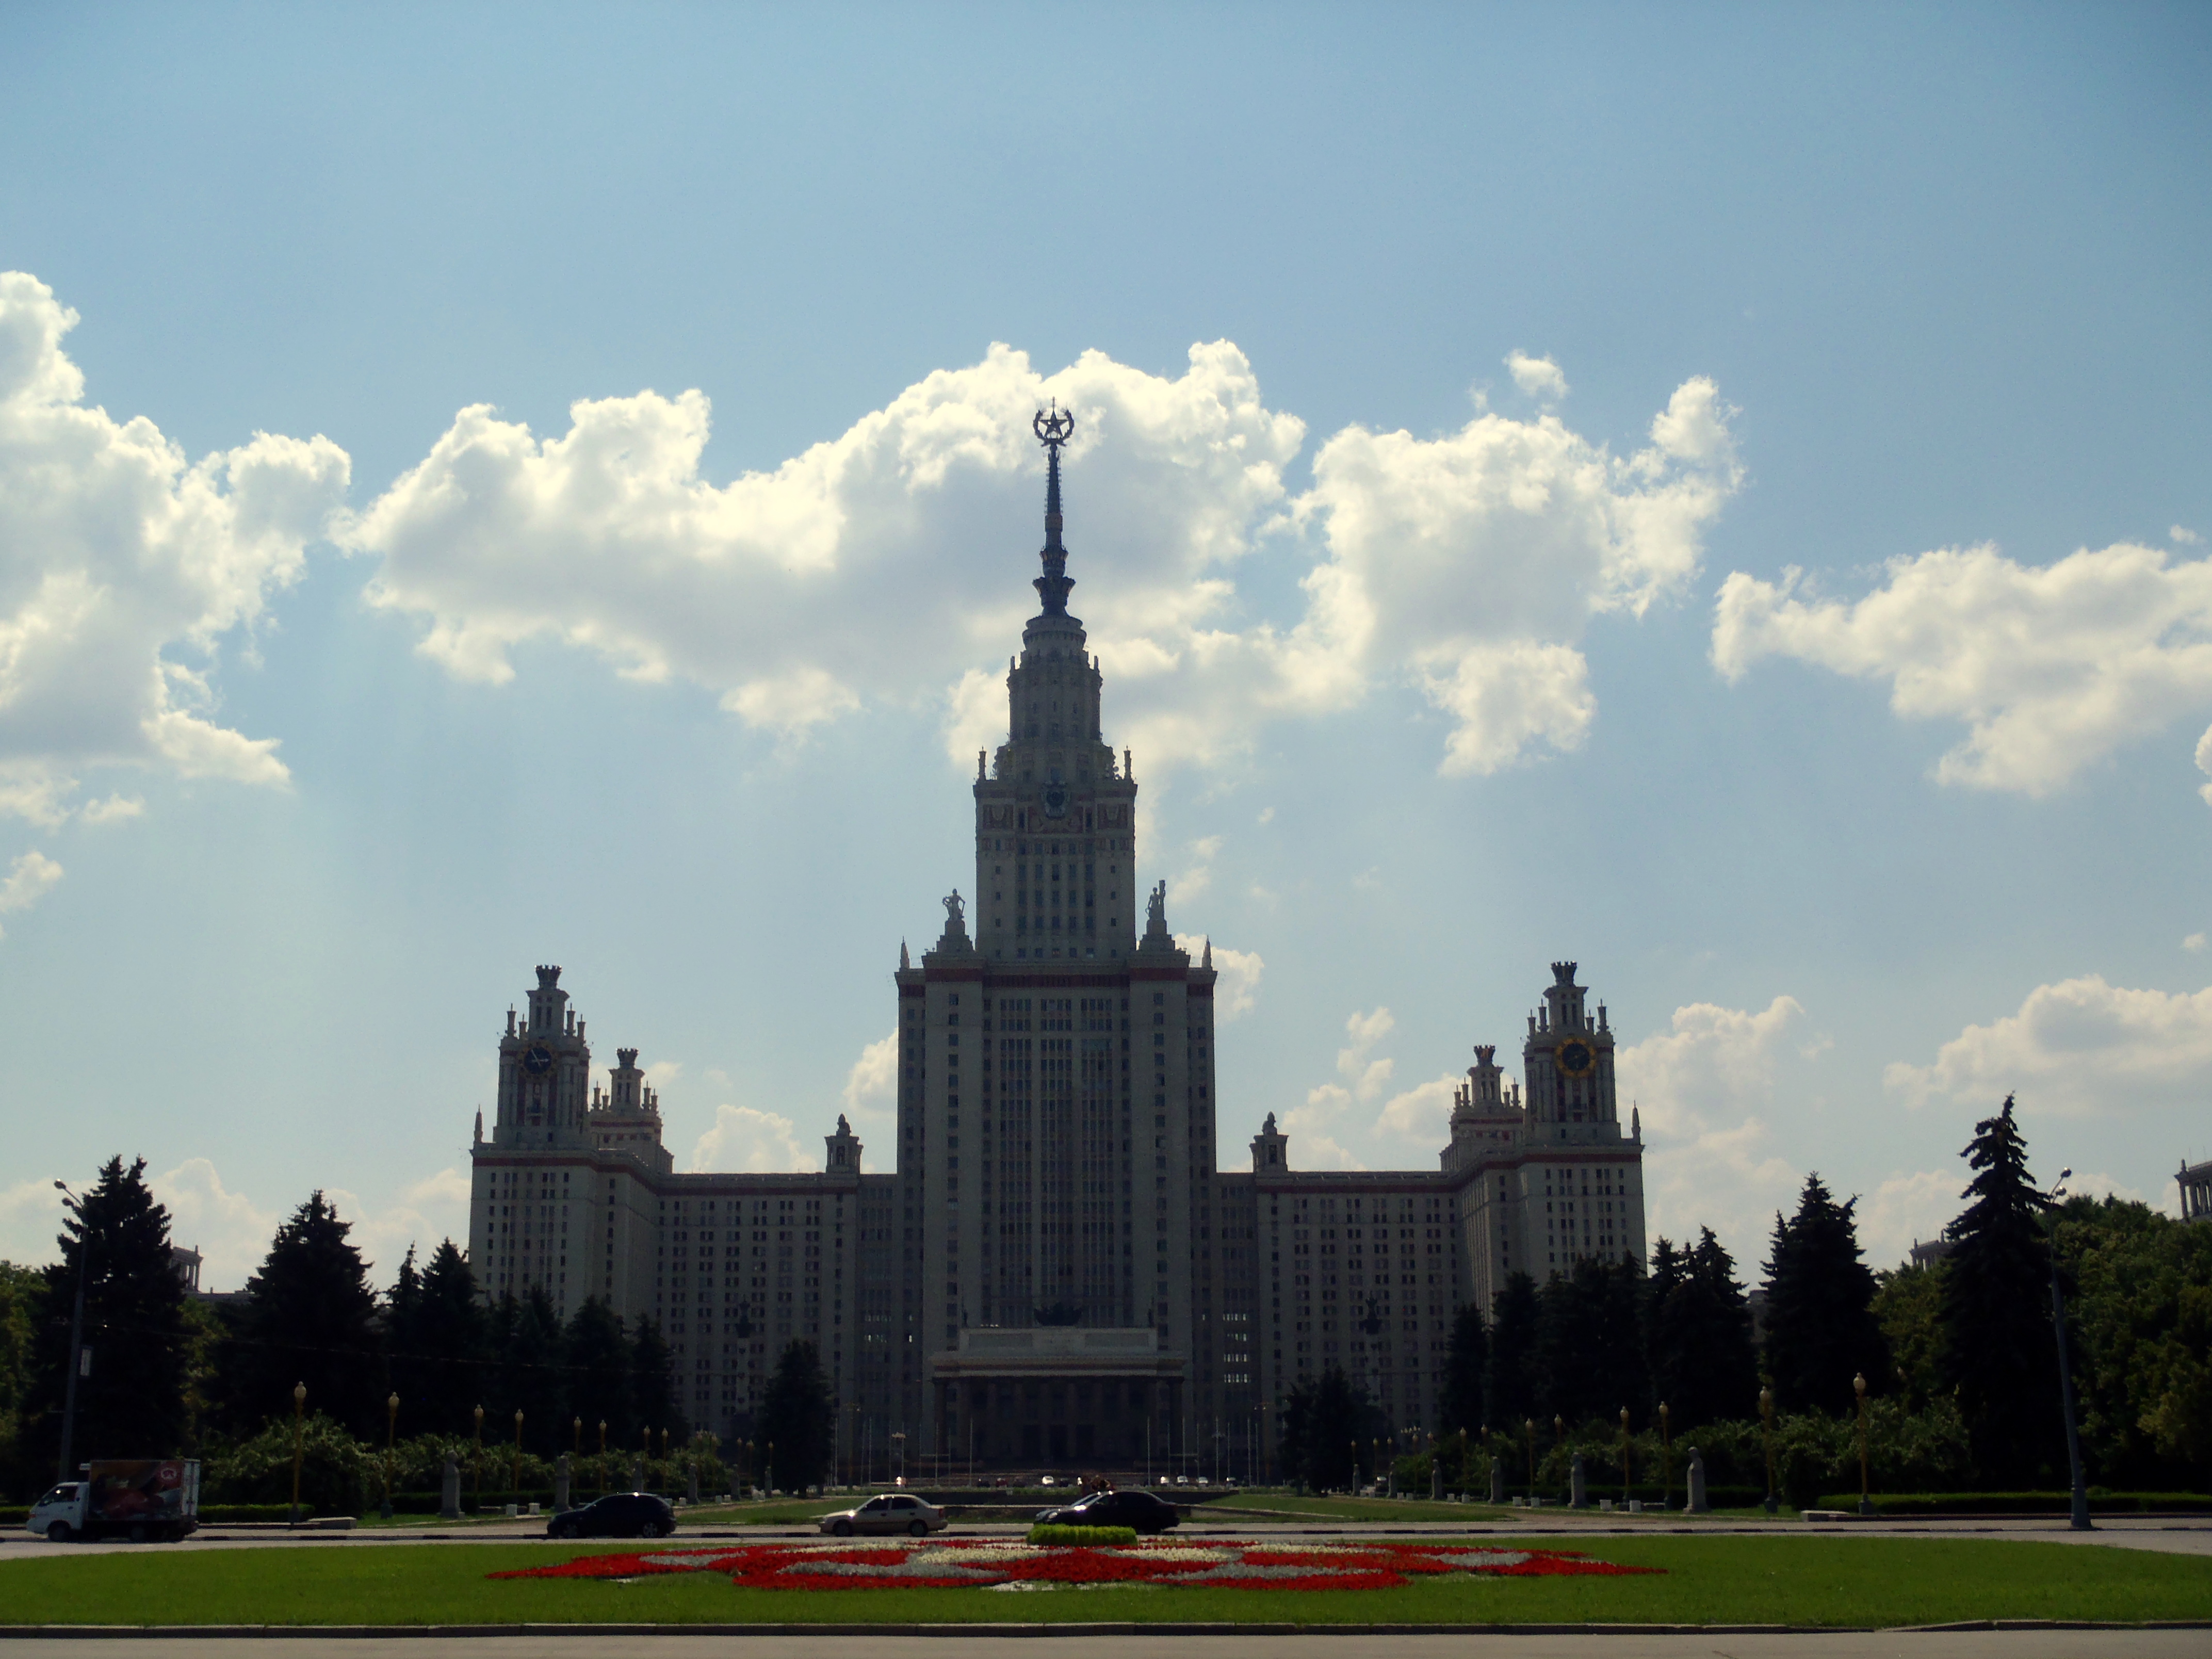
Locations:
column 1055, row 425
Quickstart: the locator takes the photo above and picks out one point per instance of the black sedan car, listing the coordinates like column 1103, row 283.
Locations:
column 618, row 1514
column 1135, row 1508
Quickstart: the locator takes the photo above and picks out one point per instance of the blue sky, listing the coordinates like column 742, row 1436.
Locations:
column 1716, row 493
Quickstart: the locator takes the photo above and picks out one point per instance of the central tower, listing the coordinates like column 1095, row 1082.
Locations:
column 1055, row 821
column 1056, row 1103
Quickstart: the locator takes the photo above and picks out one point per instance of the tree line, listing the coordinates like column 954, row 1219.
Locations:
column 169, row 1373
column 1958, row 1356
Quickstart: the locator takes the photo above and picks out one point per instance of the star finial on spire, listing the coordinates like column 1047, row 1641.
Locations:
column 1054, row 426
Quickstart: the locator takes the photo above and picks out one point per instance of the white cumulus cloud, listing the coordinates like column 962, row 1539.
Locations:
column 1705, row 1089
column 747, row 1140
column 2080, row 1047
column 1538, row 377
column 122, row 553
column 897, row 554
column 2051, row 668
column 30, row 878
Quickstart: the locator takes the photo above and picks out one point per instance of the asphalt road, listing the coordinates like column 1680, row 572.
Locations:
column 2188, row 1536
column 1330, row 1644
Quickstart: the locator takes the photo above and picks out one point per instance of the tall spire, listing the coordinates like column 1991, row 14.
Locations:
column 1053, row 428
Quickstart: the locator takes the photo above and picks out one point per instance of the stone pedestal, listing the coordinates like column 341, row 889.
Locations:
column 1497, row 1481
column 637, row 1475
column 449, row 1492
column 1697, row 1504
column 692, row 1487
column 1578, row 1490
column 1436, row 1476
column 560, row 1486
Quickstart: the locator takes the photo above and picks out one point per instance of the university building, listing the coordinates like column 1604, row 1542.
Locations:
column 1057, row 1269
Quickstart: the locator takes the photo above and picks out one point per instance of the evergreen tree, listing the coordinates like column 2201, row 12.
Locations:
column 1589, row 1347
column 599, row 1374
column 1509, row 1381
column 448, row 1346
column 799, row 1415
column 132, row 1403
column 1998, row 1350
column 1459, row 1405
column 1327, row 1422
column 531, row 1379
column 1820, row 1325
column 653, row 1385
column 309, row 1317
column 1703, row 1364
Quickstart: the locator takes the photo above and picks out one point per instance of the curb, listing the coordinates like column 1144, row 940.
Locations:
column 971, row 1632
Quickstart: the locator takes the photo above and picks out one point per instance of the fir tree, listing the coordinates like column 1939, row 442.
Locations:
column 1459, row 1403
column 1327, row 1422
column 598, row 1358
column 309, row 1317
column 132, row 1403
column 531, row 1379
column 1703, row 1364
column 448, row 1346
column 1589, row 1348
column 653, row 1385
column 1509, row 1383
column 1998, row 1352
column 1820, row 1325
column 799, row 1419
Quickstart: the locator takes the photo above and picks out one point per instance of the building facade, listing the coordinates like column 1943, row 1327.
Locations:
column 1056, row 1269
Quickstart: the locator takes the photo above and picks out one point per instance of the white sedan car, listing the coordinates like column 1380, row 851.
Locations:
column 887, row 1512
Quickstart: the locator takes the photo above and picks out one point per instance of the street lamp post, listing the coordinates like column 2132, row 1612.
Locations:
column 71, row 1201
column 1626, row 1452
column 1766, row 1433
column 898, row 1446
column 1866, row 1489
column 476, row 1465
column 298, row 1442
column 2079, row 1518
column 1528, row 1430
column 391, row 1432
column 1559, row 1436
column 603, row 1457
column 1666, row 1458
column 515, row 1484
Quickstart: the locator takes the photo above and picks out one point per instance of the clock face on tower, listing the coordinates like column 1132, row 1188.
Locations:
column 537, row 1058
column 1575, row 1057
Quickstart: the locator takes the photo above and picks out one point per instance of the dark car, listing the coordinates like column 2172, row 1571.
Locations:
column 618, row 1514
column 1135, row 1508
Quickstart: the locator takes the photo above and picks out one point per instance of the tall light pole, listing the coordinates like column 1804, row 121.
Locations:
column 299, row 1432
column 76, row 1365
column 1866, row 1498
column 391, row 1432
column 2078, row 1520
column 1767, row 1432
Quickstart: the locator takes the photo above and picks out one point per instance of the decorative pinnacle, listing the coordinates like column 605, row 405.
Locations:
column 1053, row 426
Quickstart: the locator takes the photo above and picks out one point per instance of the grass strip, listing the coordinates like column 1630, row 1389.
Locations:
column 1803, row 1581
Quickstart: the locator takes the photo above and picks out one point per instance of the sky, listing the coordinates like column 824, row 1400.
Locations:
column 1716, row 494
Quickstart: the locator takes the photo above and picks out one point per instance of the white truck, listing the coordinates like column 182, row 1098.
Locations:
column 144, row 1499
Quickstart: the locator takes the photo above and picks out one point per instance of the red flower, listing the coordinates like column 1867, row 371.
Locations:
column 947, row 1564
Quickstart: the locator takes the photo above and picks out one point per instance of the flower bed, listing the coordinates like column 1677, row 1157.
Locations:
column 991, row 1563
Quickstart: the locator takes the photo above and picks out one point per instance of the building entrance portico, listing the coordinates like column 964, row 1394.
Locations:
column 1057, row 1395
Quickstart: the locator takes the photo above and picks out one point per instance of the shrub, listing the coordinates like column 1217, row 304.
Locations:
column 1083, row 1534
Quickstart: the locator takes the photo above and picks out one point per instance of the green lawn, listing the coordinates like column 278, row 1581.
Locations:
column 1810, row 1580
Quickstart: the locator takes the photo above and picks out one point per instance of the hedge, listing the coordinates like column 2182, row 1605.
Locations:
column 2019, row 1503
column 1041, row 1534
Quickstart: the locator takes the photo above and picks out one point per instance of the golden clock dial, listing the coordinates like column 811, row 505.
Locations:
column 1577, row 1058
